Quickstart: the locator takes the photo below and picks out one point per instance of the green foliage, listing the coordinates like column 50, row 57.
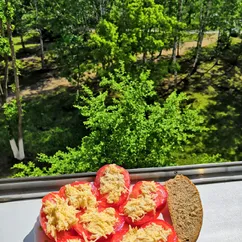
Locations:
column 10, row 110
column 125, row 128
column 127, row 124
column 132, row 28
column 4, row 46
column 196, row 158
column 60, row 163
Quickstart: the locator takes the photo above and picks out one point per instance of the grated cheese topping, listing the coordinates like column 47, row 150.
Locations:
column 112, row 183
column 148, row 188
column 81, row 196
column 99, row 224
column 151, row 233
column 136, row 208
column 60, row 216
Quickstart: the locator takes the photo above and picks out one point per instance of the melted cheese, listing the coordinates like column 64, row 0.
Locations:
column 151, row 233
column 99, row 224
column 81, row 196
column 112, row 183
column 60, row 216
column 136, row 208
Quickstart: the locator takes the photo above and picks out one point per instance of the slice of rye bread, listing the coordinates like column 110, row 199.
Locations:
column 185, row 208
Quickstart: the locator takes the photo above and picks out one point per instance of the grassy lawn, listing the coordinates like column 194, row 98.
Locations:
column 216, row 90
column 30, row 41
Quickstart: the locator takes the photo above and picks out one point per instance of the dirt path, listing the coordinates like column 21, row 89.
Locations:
column 210, row 39
column 48, row 85
column 51, row 83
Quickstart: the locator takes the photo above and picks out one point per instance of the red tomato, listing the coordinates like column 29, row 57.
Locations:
column 81, row 230
column 103, row 197
column 118, row 236
column 166, row 214
column 42, row 218
column 172, row 237
column 62, row 236
column 50, row 197
column 65, row 236
column 62, row 191
column 160, row 201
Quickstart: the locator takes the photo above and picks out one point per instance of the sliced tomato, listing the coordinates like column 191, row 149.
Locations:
column 118, row 236
column 66, row 236
column 50, row 197
column 62, row 236
column 79, row 227
column 161, row 194
column 166, row 214
column 103, row 197
column 42, row 218
column 62, row 191
column 172, row 237
column 160, row 201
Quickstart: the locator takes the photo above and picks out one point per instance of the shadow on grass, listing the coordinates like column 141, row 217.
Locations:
column 219, row 86
column 50, row 123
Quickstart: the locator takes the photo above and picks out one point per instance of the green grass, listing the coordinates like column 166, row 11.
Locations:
column 50, row 124
column 30, row 41
column 188, row 37
column 235, row 41
column 216, row 90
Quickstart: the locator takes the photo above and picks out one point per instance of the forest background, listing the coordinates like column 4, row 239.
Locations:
column 140, row 83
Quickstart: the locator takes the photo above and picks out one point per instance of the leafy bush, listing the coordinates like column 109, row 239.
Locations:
column 124, row 128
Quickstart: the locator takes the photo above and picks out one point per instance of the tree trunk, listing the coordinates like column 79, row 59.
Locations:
column 22, row 42
column 4, row 86
column 5, row 80
column 204, row 13
column 174, row 59
column 144, row 56
column 42, row 54
column 176, row 40
column 178, row 48
column 18, row 152
column 198, row 49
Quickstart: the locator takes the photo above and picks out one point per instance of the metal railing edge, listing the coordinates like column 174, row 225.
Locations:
column 132, row 171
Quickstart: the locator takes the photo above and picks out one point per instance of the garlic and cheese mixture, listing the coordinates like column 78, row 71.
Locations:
column 99, row 224
column 112, row 183
column 81, row 196
column 151, row 233
column 60, row 216
column 136, row 208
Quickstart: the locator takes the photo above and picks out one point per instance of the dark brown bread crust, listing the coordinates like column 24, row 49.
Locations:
column 185, row 208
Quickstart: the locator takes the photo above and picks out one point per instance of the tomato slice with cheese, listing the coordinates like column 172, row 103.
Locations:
column 80, row 194
column 118, row 236
column 56, row 216
column 69, row 236
column 112, row 182
column 155, row 230
column 98, row 224
column 161, row 228
column 145, row 202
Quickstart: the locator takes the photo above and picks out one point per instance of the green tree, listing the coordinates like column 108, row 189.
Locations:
column 132, row 31
column 125, row 128
column 18, row 150
column 4, row 53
